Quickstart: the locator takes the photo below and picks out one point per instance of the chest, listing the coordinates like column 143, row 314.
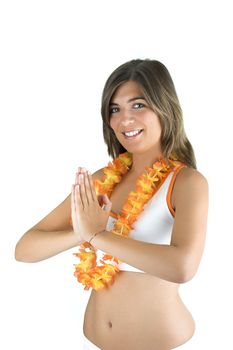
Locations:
column 121, row 192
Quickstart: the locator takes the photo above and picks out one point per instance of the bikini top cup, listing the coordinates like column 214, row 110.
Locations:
column 155, row 223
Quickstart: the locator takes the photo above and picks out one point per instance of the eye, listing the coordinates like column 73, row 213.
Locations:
column 138, row 105
column 113, row 110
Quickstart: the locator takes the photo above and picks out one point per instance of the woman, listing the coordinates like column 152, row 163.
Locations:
column 145, row 217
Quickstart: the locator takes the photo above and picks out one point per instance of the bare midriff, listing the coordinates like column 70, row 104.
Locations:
column 139, row 312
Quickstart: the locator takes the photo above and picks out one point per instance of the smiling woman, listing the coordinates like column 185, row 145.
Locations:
column 140, row 222
column 136, row 126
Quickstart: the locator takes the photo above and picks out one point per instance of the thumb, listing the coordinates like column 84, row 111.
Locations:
column 107, row 204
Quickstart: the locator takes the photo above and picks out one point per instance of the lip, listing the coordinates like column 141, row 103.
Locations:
column 136, row 129
column 132, row 137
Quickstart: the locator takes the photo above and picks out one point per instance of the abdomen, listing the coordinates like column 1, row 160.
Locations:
column 139, row 311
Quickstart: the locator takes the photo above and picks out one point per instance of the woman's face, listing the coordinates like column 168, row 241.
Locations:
column 136, row 125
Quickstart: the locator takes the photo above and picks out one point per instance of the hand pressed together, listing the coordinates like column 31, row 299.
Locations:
column 89, row 212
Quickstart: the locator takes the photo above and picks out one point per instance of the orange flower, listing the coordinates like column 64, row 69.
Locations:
column 144, row 184
column 126, row 158
column 113, row 176
column 118, row 166
column 84, row 278
column 103, row 188
column 131, row 210
column 109, row 257
column 122, row 226
column 139, row 197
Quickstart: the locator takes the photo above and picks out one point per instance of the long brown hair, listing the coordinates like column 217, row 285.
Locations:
column 159, row 91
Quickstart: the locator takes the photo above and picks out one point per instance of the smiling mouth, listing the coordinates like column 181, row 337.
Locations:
column 132, row 134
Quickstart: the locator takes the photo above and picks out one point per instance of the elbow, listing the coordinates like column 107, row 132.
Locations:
column 186, row 272
column 20, row 254
column 186, row 277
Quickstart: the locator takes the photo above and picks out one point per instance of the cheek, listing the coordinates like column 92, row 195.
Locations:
column 113, row 123
column 154, row 122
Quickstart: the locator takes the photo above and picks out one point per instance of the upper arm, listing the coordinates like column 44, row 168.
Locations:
column 59, row 218
column 190, row 222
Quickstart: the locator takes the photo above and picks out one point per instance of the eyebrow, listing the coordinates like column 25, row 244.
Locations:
column 130, row 100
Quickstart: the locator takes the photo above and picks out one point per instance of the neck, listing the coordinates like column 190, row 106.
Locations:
column 140, row 161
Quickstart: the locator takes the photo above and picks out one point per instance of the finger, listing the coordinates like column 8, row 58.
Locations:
column 83, row 171
column 82, row 191
column 78, row 200
column 92, row 188
column 86, row 185
column 106, row 200
column 77, row 175
column 72, row 200
column 100, row 200
column 107, row 203
column 89, row 190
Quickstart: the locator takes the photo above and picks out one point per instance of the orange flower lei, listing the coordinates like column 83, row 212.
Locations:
column 88, row 272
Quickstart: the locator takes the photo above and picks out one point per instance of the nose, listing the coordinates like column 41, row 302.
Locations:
column 126, row 122
column 126, row 118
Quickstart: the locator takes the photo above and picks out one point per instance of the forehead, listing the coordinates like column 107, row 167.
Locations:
column 126, row 91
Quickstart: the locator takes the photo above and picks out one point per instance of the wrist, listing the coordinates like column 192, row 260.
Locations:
column 94, row 235
column 76, row 237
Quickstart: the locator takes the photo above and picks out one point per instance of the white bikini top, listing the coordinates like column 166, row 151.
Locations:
column 155, row 223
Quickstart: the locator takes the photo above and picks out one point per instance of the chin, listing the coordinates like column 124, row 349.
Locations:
column 134, row 150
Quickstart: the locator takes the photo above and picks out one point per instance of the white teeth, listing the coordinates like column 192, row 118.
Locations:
column 132, row 133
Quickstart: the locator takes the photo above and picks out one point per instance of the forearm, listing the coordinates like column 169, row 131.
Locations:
column 36, row 245
column 163, row 261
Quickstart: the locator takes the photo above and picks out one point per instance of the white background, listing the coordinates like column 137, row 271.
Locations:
column 55, row 58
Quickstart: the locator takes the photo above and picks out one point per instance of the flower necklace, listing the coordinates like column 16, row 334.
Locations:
column 88, row 272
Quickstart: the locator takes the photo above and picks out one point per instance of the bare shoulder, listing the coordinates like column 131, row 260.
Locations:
column 98, row 174
column 190, row 174
column 190, row 183
column 190, row 177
